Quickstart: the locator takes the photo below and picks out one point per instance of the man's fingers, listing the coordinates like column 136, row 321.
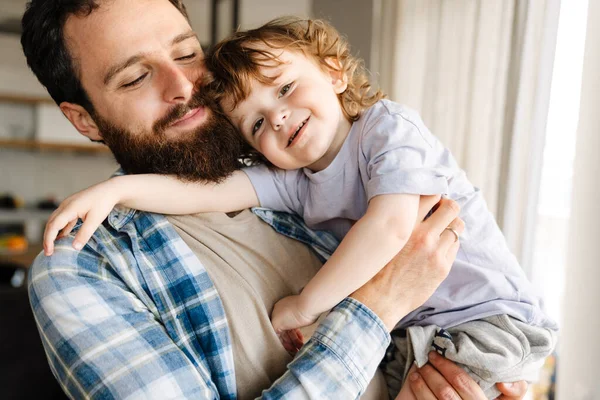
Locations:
column 447, row 211
column 437, row 384
column 461, row 382
column 452, row 252
column 418, row 386
column 427, row 205
column 512, row 391
column 451, row 234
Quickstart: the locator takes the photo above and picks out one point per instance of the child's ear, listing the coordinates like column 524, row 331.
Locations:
column 339, row 80
column 81, row 120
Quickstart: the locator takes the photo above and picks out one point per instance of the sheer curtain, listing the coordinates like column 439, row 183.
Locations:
column 578, row 372
column 479, row 72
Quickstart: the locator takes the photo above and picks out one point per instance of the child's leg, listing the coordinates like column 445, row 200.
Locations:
column 491, row 350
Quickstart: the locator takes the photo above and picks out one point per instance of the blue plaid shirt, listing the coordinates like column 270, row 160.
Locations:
column 135, row 315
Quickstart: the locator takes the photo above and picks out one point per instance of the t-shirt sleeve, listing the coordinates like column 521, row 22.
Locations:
column 277, row 189
column 402, row 156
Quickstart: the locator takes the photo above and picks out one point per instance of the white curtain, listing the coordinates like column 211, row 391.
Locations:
column 578, row 372
column 479, row 72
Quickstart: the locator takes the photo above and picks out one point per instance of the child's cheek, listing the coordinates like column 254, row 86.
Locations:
column 266, row 146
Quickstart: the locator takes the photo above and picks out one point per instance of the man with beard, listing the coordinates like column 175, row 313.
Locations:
column 178, row 307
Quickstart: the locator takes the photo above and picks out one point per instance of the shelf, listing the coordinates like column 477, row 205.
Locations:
column 59, row 147
column 22, row 99
column 24, row 259
column 19, row 215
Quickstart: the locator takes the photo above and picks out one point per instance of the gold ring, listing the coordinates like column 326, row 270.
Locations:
column 453, row 231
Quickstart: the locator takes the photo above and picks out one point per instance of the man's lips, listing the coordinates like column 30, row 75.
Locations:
column 190, row 116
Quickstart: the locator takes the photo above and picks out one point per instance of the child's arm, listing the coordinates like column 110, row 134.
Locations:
column 155, row 193
column 371, row 243
column 164, row 194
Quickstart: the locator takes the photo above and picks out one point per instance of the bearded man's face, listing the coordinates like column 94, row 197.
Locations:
column 140, row 76
column 208, row 153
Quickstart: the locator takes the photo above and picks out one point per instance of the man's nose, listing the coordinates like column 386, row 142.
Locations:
column 178, row 86
column 278, row 117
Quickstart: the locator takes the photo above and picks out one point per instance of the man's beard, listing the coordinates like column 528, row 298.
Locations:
column 209, row 153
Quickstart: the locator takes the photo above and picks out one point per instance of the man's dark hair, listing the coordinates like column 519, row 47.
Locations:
column 46, row 50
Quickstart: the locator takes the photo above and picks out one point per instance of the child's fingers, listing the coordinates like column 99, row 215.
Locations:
column 296, row 337
column 90, row 224
column 286, row 342
column 67, row 229
column 55, row 224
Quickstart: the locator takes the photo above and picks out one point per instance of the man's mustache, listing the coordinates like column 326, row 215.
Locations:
column 201, row 98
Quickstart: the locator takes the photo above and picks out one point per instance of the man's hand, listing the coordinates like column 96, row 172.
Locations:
column 407, row 281
column 442, row 379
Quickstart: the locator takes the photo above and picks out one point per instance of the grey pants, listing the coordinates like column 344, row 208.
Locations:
column 491, row 350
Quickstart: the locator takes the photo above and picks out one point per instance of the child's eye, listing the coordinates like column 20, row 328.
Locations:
column 257, row 125
column 285, row 89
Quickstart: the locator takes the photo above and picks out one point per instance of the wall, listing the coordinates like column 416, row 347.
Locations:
column 30, row 174
column 15, row 76
column 34, row 175
column 354, row 19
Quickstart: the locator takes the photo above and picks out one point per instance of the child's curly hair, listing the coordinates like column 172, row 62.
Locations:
column 236, row 61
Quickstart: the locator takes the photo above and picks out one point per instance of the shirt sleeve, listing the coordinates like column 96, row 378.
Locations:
column 100, row 339
column 402, row 156
column 340, row 359
column 277, row 189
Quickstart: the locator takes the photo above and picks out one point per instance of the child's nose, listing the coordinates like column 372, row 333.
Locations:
column 278, row 119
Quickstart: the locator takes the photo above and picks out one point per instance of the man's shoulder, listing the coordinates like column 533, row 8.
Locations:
column 102, row 246
column 66, row 260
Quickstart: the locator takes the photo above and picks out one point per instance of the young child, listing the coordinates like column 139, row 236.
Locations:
column 323, row 145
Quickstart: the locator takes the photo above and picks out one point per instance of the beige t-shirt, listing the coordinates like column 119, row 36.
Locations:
column 252, row 267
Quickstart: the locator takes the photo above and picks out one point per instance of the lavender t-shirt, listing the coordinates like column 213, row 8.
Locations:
column 389, row 150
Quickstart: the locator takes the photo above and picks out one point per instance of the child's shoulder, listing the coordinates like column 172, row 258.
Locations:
column 389, row 116
column 386, row 110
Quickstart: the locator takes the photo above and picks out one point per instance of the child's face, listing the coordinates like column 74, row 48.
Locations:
column 297, row 121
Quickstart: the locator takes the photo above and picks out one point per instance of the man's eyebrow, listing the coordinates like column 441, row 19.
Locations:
column 184, row 36
column 114, row 70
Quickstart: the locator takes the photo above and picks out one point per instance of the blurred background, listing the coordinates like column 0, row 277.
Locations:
column 498, row 81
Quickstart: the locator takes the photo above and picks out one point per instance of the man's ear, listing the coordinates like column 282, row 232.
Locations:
column 81, row 120
column 339, row 80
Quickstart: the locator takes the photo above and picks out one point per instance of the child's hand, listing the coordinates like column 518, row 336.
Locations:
column 292, row 341
column 287, row 317
column 92, row 205
column 287, row 314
